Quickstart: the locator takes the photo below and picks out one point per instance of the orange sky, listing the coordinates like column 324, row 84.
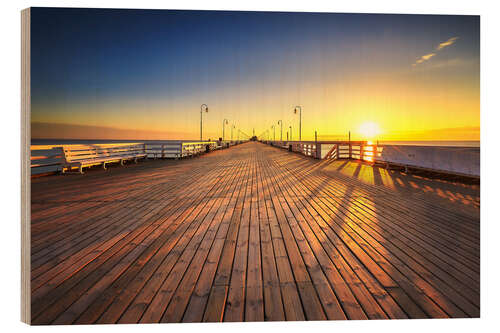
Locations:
column 416, row 77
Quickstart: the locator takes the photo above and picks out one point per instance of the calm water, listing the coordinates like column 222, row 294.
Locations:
column 406, row 143
column 78, row 141
column 434, row 143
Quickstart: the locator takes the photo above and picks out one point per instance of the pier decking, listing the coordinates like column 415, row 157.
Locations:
column 251, row 233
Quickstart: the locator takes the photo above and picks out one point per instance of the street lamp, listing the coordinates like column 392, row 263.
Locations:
column 281, row 130
column 300, row 120
column 201, row 119
column 274, row 132
column 232, row 126
column 224, row 122
column 291, row 133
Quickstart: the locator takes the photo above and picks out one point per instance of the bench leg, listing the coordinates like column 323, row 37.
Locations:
column 135, row 160
column 104, row 166
column 81, row 169
column 122, row 162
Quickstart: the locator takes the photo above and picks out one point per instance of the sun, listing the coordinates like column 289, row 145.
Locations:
column 369, row 130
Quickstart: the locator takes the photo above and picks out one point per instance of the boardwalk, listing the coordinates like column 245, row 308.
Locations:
column 251, row 233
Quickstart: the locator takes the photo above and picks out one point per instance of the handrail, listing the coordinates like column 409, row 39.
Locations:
column 359, row 150
column 463, row 161
column 50, row 158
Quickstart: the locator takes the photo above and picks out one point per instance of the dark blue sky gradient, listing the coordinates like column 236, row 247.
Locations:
column 104, row 55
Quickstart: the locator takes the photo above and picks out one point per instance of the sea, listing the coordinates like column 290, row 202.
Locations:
column 88, row 142
column 475, row 144
column 405, row 143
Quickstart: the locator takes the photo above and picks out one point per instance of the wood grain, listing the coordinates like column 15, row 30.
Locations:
column 251, row 233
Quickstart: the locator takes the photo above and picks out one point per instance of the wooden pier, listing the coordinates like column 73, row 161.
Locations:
column 251, row 233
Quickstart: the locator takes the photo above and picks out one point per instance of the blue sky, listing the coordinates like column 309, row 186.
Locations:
column 143, row 70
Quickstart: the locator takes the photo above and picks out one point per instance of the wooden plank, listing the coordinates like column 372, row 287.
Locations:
column 251, row 233
column 67, row 281
column 128, row 285
column 217, row 300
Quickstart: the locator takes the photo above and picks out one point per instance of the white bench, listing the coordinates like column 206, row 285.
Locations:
column 191, row 149
column 82, row 156
column 164, row 150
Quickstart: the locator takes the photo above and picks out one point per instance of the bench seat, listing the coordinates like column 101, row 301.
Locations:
column 87, row 156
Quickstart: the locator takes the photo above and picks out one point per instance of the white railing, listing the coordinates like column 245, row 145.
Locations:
column 228, row 143
column 464, row 161
column 195, row 148
column 45, row 159
column 359, row 150
column 50, row 158
column 163, row 150
column 455, row 160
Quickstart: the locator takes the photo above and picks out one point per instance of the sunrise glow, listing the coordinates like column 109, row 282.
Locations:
column 346, row 72
column 369, row 130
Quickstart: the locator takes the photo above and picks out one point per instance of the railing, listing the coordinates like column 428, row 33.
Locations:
column 228, row 143
column 163, row 150
column 45, row 159
column 357, row 150
column 463, row 161
column 195, row 148
column 50, row 158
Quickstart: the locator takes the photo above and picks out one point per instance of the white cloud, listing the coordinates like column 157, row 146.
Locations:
column 441, row 46
column 449, row 42
column 424, row 58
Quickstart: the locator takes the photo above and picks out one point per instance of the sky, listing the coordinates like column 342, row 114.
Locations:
column 143, row 74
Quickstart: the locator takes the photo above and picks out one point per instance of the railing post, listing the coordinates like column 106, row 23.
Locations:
column 362, row 152
column 350, row 150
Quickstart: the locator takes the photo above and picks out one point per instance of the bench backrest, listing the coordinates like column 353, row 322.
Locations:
column 76, row 153
column 193, row 148
column 121, row 151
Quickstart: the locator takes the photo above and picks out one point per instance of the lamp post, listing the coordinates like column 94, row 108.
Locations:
column 232, row 126
column 291, row 133
column 224, row 122
column 201, row 119
column 274, row 132
column 300, row 120
column 280, row 122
